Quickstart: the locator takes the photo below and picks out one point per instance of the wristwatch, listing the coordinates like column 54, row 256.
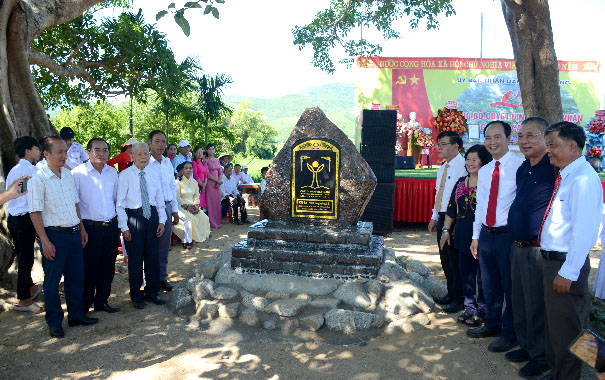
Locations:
column 445, row 229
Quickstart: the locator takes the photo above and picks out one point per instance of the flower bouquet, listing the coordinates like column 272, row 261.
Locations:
column 595, row 130
column 450, row 120
column 594, row 152
column 425, row 140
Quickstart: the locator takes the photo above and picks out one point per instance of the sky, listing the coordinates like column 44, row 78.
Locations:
column 252, row 40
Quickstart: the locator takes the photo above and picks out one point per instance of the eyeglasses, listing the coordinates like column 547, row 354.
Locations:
column 443, row 145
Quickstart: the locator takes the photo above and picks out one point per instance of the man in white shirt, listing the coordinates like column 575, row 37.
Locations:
column 20, row 224
column 53, row 205
column 76, row 154
column 141, row 218
column 263, row 182
column 448, row 148
column 237, row 175
column 97, row 185
column 232, row 197
column 569, row 230
column 165, row 171
column 247, row 178
column 491, row 244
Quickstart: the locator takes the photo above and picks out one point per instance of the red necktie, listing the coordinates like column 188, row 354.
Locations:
column 490, row 218
column 552, row 198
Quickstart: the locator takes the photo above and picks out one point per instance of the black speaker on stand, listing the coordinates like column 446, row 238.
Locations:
column 378, row 139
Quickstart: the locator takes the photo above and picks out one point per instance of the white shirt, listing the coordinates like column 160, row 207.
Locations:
column 76, row 155
column 165, row 171
column 229, row 187
column 41, row 163
column 18, row 206
column 572, row 225
column 247, row 178
column 239, row 178
column 97, row 191
column 507, row 187
column 455, row 170
column 129, row 194
column 55, row 197
column 263, row 185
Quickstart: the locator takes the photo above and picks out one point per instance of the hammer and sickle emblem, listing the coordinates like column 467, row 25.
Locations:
column 402, row 79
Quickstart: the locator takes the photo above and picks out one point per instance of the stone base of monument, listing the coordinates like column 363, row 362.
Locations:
column 307, row 250
column 400, row 300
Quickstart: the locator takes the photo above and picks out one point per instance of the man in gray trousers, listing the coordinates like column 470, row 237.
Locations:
column 165, row 171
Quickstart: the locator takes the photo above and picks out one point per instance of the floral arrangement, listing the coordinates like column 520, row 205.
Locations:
column 398, row 147
column 596, row 125
column 594, row 151
column 450, row 120
column 425, row 140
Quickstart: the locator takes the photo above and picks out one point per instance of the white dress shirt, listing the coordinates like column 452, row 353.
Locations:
column 97, row 191
column 507, row 187
column 165, row 171
column 129, row 194
column 455, row 170
column 572, row 225
column 247, row 178
column 229, row 187
column 41, row 163
column 76, row 155
column 263, row 185
column 55, row 197
column 238, row 178
column 18, row 206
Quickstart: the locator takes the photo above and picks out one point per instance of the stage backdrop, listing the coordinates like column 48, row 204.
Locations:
column 485, row 89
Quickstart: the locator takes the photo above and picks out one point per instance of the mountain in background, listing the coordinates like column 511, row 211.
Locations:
column 336, row 100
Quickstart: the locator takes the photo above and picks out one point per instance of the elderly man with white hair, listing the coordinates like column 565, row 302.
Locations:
column 141, row 218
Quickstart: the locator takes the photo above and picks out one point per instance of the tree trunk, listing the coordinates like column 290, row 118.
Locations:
column 21, row 112
column 166, row 124
column 130, row 119
column 528, row 23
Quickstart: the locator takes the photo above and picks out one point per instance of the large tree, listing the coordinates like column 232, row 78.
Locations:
column 528, row 24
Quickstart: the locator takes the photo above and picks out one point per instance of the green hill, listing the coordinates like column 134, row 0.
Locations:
column 336, row 100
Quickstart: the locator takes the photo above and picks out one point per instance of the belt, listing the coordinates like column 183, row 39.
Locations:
column 527, row 244
column 99, row 224
column 138, row 210
column 495, row 230
column 71, row 229
column 441, row 214
column 22, row 214
column 553, row 255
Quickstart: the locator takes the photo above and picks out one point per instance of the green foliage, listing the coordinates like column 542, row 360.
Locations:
column 254, row 136
column 333, row 25
column 179, row 14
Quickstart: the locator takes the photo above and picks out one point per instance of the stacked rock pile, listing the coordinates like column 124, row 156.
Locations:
column 400, row 299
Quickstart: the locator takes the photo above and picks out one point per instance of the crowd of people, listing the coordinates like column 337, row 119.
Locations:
column 79, row 206
column 514, row 236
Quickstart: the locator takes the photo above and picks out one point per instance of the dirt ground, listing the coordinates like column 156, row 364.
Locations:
column 156, row 344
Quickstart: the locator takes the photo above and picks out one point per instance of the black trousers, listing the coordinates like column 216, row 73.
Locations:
column 143, row 249
column 450, row 263
column 99, row 263
column 23, row 233
column 566, row 315
column 238, row 204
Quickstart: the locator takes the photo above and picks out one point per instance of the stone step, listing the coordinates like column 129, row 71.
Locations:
column 354, row 249
column 303, row 269
column 271, row 230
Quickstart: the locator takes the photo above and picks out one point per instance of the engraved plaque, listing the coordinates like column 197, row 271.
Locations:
column 315, row 178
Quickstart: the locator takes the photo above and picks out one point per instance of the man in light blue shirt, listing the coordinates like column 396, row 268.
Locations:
column 184, row 155
column 569, row 230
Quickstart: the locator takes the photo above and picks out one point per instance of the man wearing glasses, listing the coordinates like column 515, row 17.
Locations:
column 448, row 148
column 97, row 186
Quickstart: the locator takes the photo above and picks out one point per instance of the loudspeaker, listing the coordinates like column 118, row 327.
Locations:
column 379, row 136
column 384, row 173
column 404, row 162
column 378, row 154
column 376, row 118
column 379, row 210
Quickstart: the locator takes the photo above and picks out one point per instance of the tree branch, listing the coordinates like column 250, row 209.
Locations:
column 74, row 51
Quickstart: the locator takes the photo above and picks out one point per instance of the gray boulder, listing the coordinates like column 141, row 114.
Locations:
column 249, row 317
column 192, row 282
column 202, row 290
column 224, row 293
column 287, row 308
column 349, row 322
column 402, row 299
column 417, row 267
column 374, row 288
column 253, row 301
column 391, row 270
column 415, row 277
column 206, row 309
column 208, row 268
column 313, row 322
column 229, row 310
column 352, row 293
column 407, row 325
column 180, row 299
column 330, row 303
column 434, row 287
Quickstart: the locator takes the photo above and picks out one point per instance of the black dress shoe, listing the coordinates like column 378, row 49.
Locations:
column 453, row 307
column 56, row 331
column 484, row 332
column 517, row 356
column 166, row 285
column 139, row 305
column 155, row 299
column 462, row 318
column 443, row 300
column 533, row 368
column 502, row 344
column 84, row 321
column 106, row 307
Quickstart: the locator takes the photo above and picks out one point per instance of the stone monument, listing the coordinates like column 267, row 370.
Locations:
column 317, row 188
